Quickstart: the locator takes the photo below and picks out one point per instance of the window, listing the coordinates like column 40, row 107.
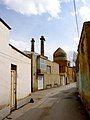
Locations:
column 48, row 69
column 61, row 69
column 41, row 64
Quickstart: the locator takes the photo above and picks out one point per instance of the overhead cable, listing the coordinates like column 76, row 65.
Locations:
column 76, row 19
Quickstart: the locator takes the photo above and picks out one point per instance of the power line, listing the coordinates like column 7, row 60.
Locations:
column 76, row 19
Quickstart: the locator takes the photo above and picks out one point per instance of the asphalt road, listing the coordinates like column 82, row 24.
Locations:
column 64, row 105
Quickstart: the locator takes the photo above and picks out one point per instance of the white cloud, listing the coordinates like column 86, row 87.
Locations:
column 35, row 7
column 22, row 45
column 85, row 13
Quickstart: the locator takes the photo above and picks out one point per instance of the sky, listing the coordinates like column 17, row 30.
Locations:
column 54, row 19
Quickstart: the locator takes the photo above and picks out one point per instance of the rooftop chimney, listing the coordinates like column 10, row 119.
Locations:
column 32, row 45
column 42, row 45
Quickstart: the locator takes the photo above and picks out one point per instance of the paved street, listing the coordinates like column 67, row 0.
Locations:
column 59, row 103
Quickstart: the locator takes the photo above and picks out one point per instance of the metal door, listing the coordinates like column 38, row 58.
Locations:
column 40, row 82
column 13, row 89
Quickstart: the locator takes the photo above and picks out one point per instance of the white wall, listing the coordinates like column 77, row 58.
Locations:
column 10, row 56
column 23, row 64
column 4, row 38
column 7, row 56
column 4, row 66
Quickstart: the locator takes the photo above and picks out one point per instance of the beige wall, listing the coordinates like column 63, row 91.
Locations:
column 34, row 73
column 84, row 67
column 71, row 74
column 52, row 78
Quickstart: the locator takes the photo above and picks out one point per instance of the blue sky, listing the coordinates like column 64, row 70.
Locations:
column 54, row 19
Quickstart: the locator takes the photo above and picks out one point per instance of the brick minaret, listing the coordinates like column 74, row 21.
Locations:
column 42, row 45
column 32, row 45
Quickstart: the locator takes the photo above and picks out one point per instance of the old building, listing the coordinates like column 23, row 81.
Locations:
column 48, row 71
column 15, row 74
column 4, row 69
column 67, row 73
column 60, row 57
column 45, row 73
column 71, row 74
column 83, row 65
column 20, row 78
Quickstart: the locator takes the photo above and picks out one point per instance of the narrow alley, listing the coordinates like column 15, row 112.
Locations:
column 60, row 103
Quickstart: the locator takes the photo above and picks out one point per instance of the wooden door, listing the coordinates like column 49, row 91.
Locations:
column 13, row 89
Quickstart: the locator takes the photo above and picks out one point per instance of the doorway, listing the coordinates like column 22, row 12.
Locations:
column 13, row 87
column 40, row 82
column 62, row 80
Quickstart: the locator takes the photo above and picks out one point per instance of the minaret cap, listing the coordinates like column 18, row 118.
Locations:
column 32, row 45
column 42, row 38
column 42, row 45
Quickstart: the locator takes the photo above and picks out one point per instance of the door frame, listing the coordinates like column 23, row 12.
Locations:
column 62, row 81
column 14, row 91
column 43, row 81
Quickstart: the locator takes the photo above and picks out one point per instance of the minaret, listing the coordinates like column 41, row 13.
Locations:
column 42, row 45
column 32, row 45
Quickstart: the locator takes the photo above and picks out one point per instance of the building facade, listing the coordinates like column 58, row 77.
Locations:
column 48, row 71
column 45, row 73
column 20, row 78
column 15, row 74
column 60, row 57
column 83, row 65
column 4, row 69
column 71, row 74
column 67, row 73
